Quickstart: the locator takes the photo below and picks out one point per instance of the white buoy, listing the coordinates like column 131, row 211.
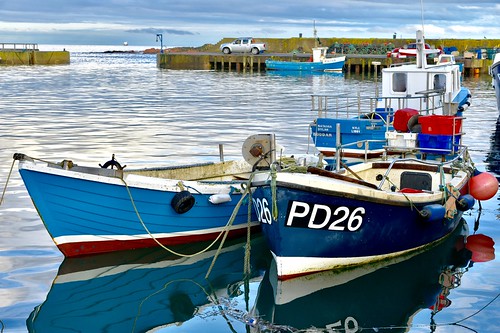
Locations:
column 219, row 198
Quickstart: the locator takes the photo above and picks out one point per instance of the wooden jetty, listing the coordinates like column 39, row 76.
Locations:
column 29, row 54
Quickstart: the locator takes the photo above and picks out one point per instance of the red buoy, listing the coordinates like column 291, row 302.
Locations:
column 483, row 186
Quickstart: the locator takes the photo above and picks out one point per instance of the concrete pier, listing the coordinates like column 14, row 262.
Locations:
column 29, row 54
column 355, row 63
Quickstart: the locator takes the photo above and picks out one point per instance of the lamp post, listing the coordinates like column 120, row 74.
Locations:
column 159, row 37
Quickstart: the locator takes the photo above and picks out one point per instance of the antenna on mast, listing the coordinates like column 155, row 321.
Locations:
column 422, row 15
column 315, row 32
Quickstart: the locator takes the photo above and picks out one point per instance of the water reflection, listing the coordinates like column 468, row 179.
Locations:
column 135, row 291
column 379, row 297
column 493, row 156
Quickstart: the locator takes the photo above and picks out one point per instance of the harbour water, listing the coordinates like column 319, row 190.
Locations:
column 118, row 103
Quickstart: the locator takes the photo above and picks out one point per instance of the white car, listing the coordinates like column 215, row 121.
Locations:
column 243, row 45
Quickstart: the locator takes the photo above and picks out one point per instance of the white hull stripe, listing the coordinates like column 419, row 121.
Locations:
column 288, row 266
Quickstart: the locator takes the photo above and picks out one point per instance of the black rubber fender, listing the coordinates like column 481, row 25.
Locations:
column 182, row 202
column 413, row 125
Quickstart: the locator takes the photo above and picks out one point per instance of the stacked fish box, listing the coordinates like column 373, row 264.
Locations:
column 402, row 138
column 440, row 134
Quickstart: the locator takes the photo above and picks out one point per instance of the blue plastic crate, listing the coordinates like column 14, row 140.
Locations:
column 438, row 144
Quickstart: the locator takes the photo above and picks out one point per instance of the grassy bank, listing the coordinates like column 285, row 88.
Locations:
column 296, row 44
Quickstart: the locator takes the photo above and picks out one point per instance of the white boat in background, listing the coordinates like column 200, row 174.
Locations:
column 495, row 74
column 410, row 50
column 358, row 126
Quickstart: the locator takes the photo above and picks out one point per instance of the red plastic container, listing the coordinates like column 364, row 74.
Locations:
column 440, row 125
column 401, row 118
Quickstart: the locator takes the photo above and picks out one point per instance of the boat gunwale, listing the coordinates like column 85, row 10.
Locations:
column 118, row 177
column 358, row 190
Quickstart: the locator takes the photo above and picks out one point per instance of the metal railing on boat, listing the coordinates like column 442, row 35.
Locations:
column 349, row 106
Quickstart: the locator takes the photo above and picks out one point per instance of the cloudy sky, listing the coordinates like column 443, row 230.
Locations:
column 196, row 22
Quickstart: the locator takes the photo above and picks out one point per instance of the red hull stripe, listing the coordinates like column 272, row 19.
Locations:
column 87, row 248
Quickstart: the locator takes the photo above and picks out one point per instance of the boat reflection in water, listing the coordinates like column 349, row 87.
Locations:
column 493, row 156
column 376, row 297
column 135, row 291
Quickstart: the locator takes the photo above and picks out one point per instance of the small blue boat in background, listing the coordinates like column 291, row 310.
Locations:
column 318, row 63
column 89, row 210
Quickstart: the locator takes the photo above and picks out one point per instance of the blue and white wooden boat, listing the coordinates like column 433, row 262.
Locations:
column 356, row 126
column 372, row 211
column 349, row 300
column 143, row 290
column 89, row 210
column 495, row 75
column 319, row 63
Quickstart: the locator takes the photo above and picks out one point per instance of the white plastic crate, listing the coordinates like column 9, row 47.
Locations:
column 401, row 140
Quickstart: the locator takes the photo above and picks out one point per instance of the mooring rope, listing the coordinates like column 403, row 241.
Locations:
column 7, row 181
column 404, row 194
column 158, row 242
column 273, row 193
column 165, row 286
column 248, row 245
column 231, row 219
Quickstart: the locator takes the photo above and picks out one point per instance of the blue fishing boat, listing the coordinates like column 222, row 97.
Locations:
column 495, row 75
column 143, row 290
column 89, row 210
column 319, row 62
column 357, row 128
column 414, row 195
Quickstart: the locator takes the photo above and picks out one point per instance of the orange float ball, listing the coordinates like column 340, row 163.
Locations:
column 483, row 186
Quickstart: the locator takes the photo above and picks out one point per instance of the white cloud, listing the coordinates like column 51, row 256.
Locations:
column 196, row 22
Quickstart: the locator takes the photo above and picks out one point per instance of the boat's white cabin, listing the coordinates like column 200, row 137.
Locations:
column 319, row 53
column 416, row 80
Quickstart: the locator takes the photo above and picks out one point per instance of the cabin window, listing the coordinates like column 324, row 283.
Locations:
column 439, row 81
column 399, row 82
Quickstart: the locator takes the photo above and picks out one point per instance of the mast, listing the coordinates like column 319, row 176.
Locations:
column 421, row 60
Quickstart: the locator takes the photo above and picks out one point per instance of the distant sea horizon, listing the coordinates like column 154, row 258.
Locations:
column 97, row 48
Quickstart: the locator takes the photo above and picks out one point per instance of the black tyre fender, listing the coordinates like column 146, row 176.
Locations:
column 226, row 50
column 255, row 51
column 182, row 202
column 413, row 125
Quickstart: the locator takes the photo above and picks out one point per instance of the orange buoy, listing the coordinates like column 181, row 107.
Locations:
column 483, row 186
